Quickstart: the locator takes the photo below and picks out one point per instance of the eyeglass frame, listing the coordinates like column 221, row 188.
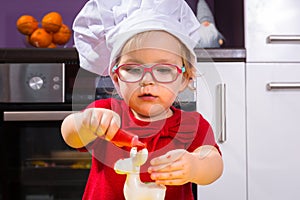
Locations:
column 115, row 69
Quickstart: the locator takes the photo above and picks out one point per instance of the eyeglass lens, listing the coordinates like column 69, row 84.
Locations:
column 161, row 72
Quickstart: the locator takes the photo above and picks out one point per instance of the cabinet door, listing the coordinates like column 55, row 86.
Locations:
column 232, row 184
column 272, row 31
column 273, row 130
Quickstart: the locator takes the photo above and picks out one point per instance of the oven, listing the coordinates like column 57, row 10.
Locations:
column 34, row 99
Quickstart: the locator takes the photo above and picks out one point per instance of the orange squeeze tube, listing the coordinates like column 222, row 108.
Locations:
column 123, row 138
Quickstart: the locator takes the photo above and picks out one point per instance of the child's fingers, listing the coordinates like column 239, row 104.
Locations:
column 103, row 124
column 167, row 167
column 177, row 177
column 171, row 182
column 95, row 122
column 86, row 118
column 168, row 175
column 168, row 158
column 109, row 124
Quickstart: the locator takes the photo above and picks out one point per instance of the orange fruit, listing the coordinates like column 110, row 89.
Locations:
column 62, row 36
column 52, row 22
column 26, row 24
column 27, row 40
column 52, row 45
column 40, row 38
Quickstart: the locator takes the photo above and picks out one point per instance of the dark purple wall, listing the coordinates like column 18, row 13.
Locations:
column 193, row 4
column 228, row 17
column 11, row 10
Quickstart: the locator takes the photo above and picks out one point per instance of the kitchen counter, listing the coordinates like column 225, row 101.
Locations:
column 221, row 55
column 38, row 55
column 70, row 55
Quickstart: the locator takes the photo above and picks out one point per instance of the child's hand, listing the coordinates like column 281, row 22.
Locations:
column 100, row 122
column 174, row 168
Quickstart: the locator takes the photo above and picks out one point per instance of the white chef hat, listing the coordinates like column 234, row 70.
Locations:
column 102, row 27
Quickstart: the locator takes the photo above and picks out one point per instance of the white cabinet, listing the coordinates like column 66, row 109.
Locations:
column 273, row 96
column 232, row 184
column 272, row 31
column 273, row 130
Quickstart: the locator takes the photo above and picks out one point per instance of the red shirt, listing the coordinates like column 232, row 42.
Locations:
column 183, row 130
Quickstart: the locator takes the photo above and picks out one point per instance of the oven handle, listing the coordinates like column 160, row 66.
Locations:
column 35, row 115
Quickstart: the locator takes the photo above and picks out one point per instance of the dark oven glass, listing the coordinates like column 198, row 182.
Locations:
column 35, row 161
column 37, row 164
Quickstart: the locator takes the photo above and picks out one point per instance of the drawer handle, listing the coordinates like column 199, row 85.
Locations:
column 222, row 92
column 283, row 85
column 284, row 39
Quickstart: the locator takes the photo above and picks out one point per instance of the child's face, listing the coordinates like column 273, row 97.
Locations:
column 148, row 98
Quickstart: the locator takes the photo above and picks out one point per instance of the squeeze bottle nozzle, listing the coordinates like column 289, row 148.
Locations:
column 124, row 138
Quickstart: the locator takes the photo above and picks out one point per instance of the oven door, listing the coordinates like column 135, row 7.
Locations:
column 36, row 162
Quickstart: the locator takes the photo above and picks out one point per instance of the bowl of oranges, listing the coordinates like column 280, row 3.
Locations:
column 50, row 33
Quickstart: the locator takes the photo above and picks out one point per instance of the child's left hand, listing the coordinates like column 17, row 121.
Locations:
column 174, row 168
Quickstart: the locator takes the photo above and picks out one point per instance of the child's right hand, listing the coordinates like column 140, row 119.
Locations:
column 100, row 122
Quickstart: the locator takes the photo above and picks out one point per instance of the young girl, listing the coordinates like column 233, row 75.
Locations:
column 149, row 68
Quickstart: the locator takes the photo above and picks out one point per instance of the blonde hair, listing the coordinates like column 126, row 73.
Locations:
column 137, row 40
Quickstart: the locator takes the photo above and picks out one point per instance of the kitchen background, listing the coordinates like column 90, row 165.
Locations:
column 36, row 163
column 12, row 10
column 258, row 98
column 229, row 20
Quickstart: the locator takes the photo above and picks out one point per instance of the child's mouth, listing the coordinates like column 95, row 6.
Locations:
column 147, row 96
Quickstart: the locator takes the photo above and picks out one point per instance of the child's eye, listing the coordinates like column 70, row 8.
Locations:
column 132, row 69
column 163, row 69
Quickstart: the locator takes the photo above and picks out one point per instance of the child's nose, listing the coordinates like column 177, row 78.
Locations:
column 147, row 79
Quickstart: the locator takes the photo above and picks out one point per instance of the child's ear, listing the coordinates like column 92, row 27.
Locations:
column 115, row 79
column 185, row 82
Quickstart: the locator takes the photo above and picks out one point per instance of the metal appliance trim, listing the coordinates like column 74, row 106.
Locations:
column 284, row 39
column 283, row 85
column 63, row 82
column 222, row 92
column 35, row 115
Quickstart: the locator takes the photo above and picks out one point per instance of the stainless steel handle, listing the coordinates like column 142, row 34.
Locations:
column 283, row 85
column 222, row 93
column 284, row 39
column 35, row 115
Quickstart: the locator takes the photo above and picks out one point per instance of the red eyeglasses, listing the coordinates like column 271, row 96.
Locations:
column 161, row 72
